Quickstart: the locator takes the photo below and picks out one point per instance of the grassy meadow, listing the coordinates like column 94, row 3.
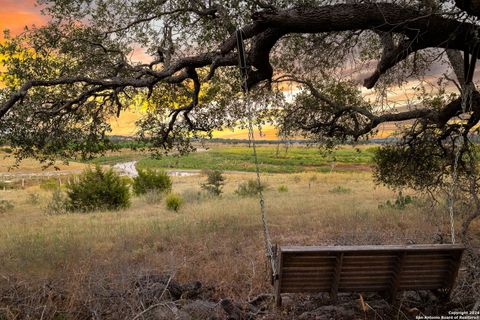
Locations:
column 215, row 240
column 272, row 159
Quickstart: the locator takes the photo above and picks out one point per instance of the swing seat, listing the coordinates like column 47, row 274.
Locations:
column 386, row 269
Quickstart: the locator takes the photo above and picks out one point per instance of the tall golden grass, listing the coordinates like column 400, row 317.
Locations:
column 217, row 241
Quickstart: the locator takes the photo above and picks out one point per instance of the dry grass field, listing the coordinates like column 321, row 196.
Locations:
column 8, row 165
column 215, row 241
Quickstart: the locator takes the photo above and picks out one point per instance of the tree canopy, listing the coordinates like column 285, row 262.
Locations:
column 64, row 81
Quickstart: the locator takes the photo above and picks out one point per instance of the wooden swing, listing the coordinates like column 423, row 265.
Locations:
column 386, row 269
column 373, row 268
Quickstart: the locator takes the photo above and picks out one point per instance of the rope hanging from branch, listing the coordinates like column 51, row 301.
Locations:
column 251, row 137
column 467, row 90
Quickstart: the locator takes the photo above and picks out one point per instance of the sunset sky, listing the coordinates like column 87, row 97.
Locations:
column 16, row 14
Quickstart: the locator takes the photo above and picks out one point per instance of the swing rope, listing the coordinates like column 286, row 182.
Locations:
column 251, row 138
column 451, row 196
column 466, row 101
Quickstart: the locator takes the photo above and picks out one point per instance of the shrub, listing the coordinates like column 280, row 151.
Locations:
column 249, row 188
column 340, row 189
column 33, row 198
column 282, row 188
column 6, row 150
column 6, row 205
column 50, row 184
column 399, row 203
column 6, row 185
column 148, row 180
column 215, row 182
column 57, row 204
column 96, row 190
column 173, row 201
column 127, row 180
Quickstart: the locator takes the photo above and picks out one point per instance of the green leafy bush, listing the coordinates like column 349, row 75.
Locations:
column 148, row 180
column 215, row 182
column 173, row 201
column 6, row 205
column 249, row 188
column 5, row 185
column 49, row 184
column 400, row 203
column 98, row 190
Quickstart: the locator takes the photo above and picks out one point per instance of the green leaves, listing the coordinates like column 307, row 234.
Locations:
column 150, row 180
column 98, row 189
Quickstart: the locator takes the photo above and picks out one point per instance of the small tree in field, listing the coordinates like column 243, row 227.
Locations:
column 215, row 182
column 173, row 202
column 250, row 188
column 151, row 181
column 98, row 190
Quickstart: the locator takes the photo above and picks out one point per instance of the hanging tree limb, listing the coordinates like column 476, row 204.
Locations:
column 419, row 30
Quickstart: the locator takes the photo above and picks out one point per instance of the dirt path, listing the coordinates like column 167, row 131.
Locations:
column 130, row 169
column 127, row 168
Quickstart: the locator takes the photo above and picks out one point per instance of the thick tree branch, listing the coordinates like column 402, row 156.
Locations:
column 419, row 29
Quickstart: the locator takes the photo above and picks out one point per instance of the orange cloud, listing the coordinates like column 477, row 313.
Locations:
column 16, row 14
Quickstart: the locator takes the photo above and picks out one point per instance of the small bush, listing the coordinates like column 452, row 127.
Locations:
column 57, row 204
column 127, row 180
column 6, row 205
column 50, row 184
column 148, row 180
column 6, row 150
column 282, row 188
column 5, row 185
column 173, row 201
column 249, row 188
column 215, row 182
column 340, row 189
column 98, row 190
column 399, row 203
column 33, row 198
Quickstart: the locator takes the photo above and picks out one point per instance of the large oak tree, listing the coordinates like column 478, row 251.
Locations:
column 63, row 82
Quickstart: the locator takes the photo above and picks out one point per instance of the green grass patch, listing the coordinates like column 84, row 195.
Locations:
column 114, row 159
column 296, row 159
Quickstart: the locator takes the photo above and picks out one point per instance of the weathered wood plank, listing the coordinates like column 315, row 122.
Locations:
column 372, row 248
column 397, row 275
column 366, row 268
column 453, row 272
column 278, row 279
column 336, row 277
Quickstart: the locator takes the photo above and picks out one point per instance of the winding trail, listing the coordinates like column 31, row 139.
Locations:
column 130, row 169
column 127, row 168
